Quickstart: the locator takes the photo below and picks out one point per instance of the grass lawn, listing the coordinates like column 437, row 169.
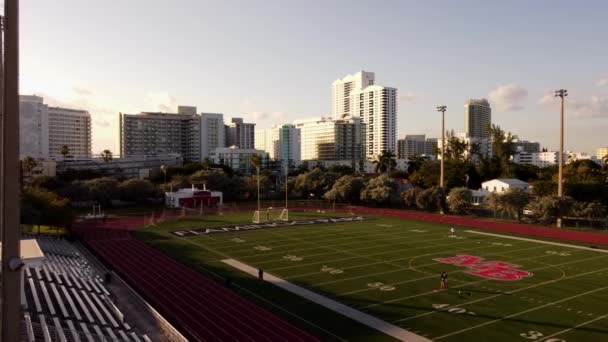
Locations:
column 390, row 267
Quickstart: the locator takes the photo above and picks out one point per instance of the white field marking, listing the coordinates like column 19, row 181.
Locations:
column 341, row 244
column 400, row 259
column 406, row 258
column 345, row 244
column 348, row 253
column 522, row 312
column 361, row 317
column 574, row 327
column 263, row 233
column 507, row 292
column 454, row 272
column 334, row 252
column 475, row 282
column 540, row 241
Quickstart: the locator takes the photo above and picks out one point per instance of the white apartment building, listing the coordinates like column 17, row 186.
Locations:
column 377, row 106
column 327, row 139
column 601, row 152
column 69, row 127
column 240, row 134
column 33, row 127
column 213, row 133
column 238, row 159
column 45, row 130
column 477, row 118
column 156, row 133
column 342, row 104
column 282, row 142
column 416, row 144
column 540, row 159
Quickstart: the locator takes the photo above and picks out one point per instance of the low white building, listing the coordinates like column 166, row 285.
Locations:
column 238, row 159
column 193, row 198
column 499, row 186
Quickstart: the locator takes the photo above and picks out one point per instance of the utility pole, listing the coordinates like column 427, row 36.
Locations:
column 9, row 176
column 442, row 109
column 561, row 93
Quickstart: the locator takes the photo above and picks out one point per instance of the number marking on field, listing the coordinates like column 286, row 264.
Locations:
column 292, row 258
column 381, row 286
column 331, row 270
column 262, row 248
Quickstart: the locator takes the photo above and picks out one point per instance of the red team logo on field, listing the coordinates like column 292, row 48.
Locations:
column 495, row 270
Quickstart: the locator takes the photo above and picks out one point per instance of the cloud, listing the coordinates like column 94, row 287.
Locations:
column 595, row 106
column 509, row 97
column 408, row 97
column 602, row 82
column 161, row 101
column 266, row 116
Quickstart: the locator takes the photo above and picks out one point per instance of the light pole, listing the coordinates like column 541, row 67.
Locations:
column 442, row 110
column 561, row 93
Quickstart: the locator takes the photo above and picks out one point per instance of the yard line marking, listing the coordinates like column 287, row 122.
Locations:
column 454, row 272
column 323, row 246
column 341, row 259
column 471, row 283
column 574, row 327
column 521, row 312
column 501, row 294
column 540, row 241
column 361, row 317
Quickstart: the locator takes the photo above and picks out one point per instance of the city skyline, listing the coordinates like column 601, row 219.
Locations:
column 223, row 61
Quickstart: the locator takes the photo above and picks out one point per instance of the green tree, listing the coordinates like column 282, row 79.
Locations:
column 106, row 155
column 346, row 189
column 495, row 201
column 103, row 190
column 515, row 201
column 459, row 199
column 43, row 207
column 27, row 166
column 65, row 151
column 341, row 170
column 415, row 162
column 385, row 162
column 548, row 208
column 589, row 210
column 431, row 199
column 136, row 190
column 455, row 148
column 315, row 182
column 380, row 189
column 409, row 197
column 256, row 162
column 503, row 148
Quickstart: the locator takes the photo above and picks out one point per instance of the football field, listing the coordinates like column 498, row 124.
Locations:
column 500, row 288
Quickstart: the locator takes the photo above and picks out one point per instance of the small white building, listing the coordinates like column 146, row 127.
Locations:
column 499, row 186
column 193, row 198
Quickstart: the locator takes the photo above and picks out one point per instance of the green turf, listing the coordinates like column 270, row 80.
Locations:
column 565, row 296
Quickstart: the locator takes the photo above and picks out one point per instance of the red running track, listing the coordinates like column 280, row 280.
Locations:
column 202, row 309
column 518, row 228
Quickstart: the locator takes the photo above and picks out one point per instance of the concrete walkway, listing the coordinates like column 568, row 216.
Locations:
column 361, row 317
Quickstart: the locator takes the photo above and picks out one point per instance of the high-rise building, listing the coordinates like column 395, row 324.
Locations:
column 213, row 133
column 71, row 128
column 150, row 133
column 240, row 134
column 282, row 142
column 601, row 152
column 33, row 127
column 477, row 118
column 525, row 145
column 45, row 130
column 327, row 139
column 342, row 93
column 377, row 107
column 416, row 144
column 238, row 159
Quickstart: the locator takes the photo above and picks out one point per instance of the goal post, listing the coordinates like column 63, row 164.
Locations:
column 270, row 214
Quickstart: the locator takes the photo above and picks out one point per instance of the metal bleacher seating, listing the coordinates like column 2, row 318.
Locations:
column 65, row 299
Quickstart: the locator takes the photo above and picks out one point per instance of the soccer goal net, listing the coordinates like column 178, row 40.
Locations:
column 270, row 214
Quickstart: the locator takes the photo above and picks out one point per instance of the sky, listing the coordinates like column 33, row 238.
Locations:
column 274, row 61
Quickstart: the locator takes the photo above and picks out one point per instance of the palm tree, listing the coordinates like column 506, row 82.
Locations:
column 65, row 151
column 106, row 155
column 256, row 161
column 415, row 162
column 385, row 162
column 27, row 165
column 164, row 169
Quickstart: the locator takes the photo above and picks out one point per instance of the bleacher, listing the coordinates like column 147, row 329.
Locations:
column 65, row 299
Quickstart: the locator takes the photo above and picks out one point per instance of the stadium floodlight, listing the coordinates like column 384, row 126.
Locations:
column 442, row 110
column 561, row 93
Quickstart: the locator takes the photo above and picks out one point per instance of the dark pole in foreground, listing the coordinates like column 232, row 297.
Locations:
column 9, row 177
column 560, row 182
